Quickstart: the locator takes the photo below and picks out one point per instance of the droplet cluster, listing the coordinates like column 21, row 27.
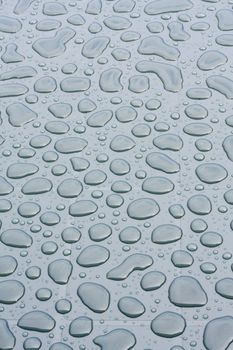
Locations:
column 116, row 174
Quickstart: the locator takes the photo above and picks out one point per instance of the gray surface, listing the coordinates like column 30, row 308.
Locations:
column 169, row 118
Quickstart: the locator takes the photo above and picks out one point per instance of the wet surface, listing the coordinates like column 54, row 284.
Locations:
column 116, row 153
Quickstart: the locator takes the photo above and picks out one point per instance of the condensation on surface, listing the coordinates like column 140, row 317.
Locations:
column 116, row 151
